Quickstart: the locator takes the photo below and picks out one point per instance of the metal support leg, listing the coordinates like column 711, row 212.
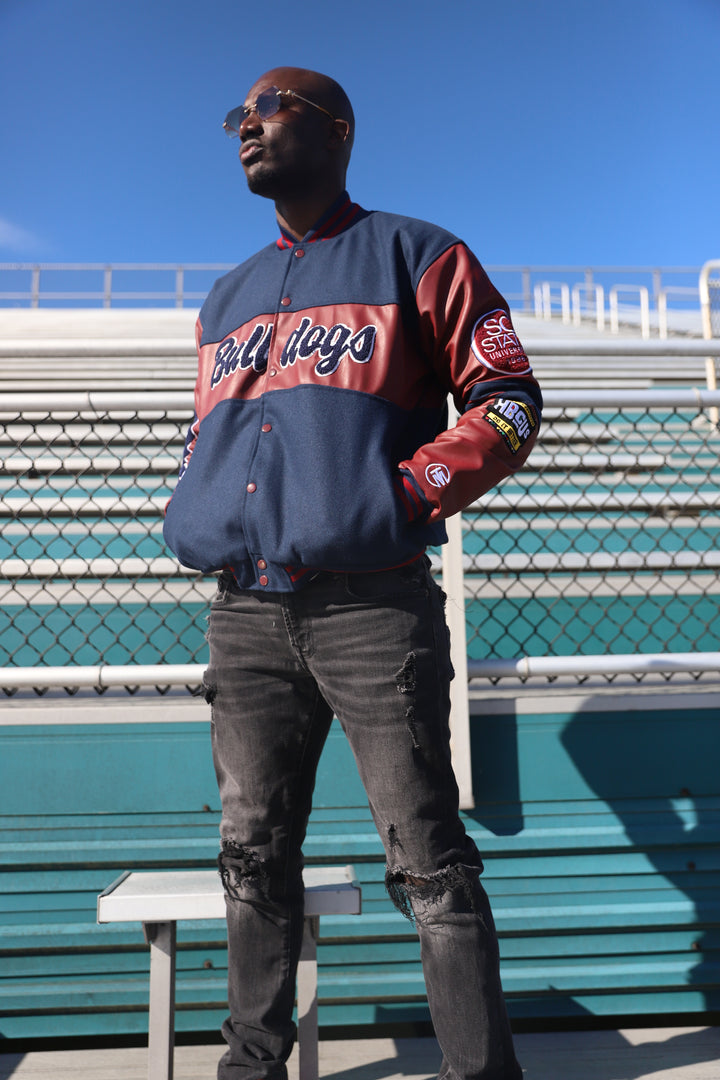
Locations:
column 161, row 938
column 309, row 1064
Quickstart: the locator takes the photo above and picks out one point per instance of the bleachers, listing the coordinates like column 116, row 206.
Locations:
column 606, row 901
column 597, row 805
column 63, row 350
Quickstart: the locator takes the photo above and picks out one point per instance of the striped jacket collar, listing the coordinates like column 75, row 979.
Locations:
column 336, row 219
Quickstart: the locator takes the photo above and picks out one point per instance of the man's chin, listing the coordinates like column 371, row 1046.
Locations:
column 260, row 183
column 260, row 189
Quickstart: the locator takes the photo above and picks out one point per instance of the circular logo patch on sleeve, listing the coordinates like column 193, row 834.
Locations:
column 496, row 344
column 437, row 474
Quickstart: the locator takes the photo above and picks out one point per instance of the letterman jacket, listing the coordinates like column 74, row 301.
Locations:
column 319, row 440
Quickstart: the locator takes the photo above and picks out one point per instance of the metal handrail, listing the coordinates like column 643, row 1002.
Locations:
column 706, row 308
column 105, row 676
column 544, row 297
column 98, row 401
column 704, row 289
column 524, row 667
column 642, row 292
column 621, row 346
column 102, row 401
column 106, row 294
column 95, row 348
column 101, row 676
column 588, row 288
column 662, row 304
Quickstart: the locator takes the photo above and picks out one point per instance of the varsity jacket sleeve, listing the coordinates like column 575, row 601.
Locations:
column 467, row 332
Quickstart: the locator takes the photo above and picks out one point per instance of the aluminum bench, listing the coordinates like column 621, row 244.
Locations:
column 159, row 899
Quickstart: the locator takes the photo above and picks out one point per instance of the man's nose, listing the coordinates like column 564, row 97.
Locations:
column 252, row 123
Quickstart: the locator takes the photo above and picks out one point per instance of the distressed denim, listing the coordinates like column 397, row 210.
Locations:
column 372, row 649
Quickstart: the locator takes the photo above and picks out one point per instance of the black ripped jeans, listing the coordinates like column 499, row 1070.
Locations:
column 373, row 650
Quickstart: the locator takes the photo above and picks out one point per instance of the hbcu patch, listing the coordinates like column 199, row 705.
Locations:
column 496, row 344
column 514, row 420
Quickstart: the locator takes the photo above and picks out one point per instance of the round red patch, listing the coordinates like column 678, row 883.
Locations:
column 496, row 344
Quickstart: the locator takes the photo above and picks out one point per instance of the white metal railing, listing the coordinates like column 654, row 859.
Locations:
column 97, row 401
column 102, row 676
column 170, row 284
column 589, row 290
column 709, row 288
column 105, row 676
column 108, row 291
column 644, row 296
column 709, row 292
column 525, row 667
column 662, row 304
column 577, row 299
column 546, row 294
column 621, row 347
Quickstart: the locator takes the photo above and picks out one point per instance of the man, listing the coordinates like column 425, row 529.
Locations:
column 317, row 470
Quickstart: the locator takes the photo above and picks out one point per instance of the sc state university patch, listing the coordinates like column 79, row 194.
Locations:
column 496, row 344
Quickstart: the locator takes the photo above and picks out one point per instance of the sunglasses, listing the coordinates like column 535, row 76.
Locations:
column 266, row 105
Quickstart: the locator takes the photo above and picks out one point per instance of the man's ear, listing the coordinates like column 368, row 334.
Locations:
column 340, row 130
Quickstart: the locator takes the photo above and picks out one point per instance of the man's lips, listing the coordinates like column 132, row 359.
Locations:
column 249, row 151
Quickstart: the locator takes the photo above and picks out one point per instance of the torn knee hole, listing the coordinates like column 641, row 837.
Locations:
column 209, row 692
column 241, row 870
column 405, row 888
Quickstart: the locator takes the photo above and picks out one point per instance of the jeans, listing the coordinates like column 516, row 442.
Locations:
column 373, row 649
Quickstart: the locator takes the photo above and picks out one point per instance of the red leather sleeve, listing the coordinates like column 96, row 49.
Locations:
column 467, row 331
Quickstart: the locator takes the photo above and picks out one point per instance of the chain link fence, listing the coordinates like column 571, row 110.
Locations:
column 606, row 542
column 85, row 576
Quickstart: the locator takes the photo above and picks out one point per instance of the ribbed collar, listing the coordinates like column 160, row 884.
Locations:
column 336, row 219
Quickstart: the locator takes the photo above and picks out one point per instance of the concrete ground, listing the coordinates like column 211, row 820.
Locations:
column 633, row 1054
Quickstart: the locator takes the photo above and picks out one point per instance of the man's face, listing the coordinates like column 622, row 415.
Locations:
column 287, row 154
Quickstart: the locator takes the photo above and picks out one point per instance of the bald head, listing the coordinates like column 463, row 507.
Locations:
column 318, row 88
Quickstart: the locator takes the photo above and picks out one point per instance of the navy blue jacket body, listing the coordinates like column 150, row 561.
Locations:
column 320, row 438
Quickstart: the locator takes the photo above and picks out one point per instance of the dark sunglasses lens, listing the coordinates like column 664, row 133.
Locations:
column 268, row 103
column 234, row 119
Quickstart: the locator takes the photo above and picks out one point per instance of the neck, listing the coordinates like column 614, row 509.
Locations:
column 298, row 216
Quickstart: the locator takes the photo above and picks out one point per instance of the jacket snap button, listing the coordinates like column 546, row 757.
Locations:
column 299, row 253
column 263, row 579
column 266, row 427
column 262, row 565
column 285, row 301
column 251, row 488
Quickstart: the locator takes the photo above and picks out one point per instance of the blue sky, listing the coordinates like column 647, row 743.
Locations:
column 548, row 132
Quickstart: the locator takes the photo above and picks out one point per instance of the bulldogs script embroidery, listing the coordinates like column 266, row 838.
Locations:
column 330, row 344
